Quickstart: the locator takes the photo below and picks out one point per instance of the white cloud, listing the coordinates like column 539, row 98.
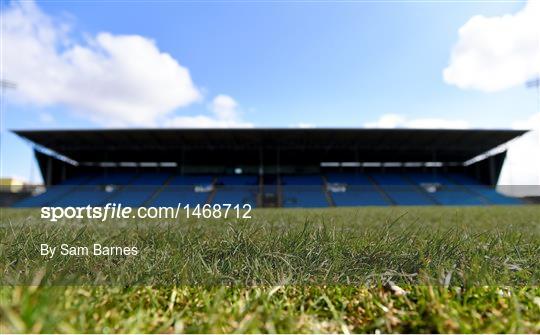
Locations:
column 46, row 118
column 496, row 53
column 203, row 121
column 533, row 122
column 386, row 121
column 304, row 125
column 399, row 121
column 522, row 164
column 113, row 80
column 225, row 114
column 224, row 107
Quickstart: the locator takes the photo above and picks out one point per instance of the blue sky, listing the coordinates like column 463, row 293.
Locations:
column 292, row 64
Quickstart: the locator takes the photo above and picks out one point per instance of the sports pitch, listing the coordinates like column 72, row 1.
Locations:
column 399, row 269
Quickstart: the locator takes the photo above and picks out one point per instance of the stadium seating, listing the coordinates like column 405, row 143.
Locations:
column 186, row 189
column 79, row 180
column 349, row 178
column 492, row 196
column 236, row 189
column 402, row 190
column 339, row 189
column 453, row 196
column 97, row 190
column 359, row 196
column 447, row 191
column 462, row 179
column 303, row 191
column 53, row 193
column 236, row 195
column 140, row 189
column 487, row 193
column 304, row 196
column 357, row 190
column 237, row 180
column 428, row 177
column 113, row 178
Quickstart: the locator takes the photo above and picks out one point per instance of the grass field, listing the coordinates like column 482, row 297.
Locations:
column 395, row 269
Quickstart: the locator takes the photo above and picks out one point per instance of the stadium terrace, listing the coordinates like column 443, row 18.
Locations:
column 269, row 167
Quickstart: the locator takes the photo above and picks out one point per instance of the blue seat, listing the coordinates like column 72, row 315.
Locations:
column 82, row 196
column 181, row 189
column 140, row 189
column 448, row 192
column 359, row 190
column 352, row 189
column 236, row 190
column 401, row 190
column 487, row 193
column 409, row 195
column 51, row 195
column 112, row 178
column 304, row 196
column 201, row 180
column 301, row 180
column 54, row 193
column 303, row 191
column 238, row 180
column 94, row 192
column 236, row 195
column 428, row 177
column 462, row 179
column 149, row 178
column 172, row 195
column 81, row 179
column 353, row 197
column 455, row 196
column 491, row 195
column 348, row 178
column 390, row 179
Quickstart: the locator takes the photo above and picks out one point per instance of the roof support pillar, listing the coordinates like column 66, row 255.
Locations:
column 261, row 162
column 182, row 158
column 492, row 180
column 434, row 159
column 63, row 172
column 278, row 161
column 48, row 181
column 356, row 159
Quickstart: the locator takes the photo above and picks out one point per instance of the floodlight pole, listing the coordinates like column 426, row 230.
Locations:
column 535, row 83
column 4, row 84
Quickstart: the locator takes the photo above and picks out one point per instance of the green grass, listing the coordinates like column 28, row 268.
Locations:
column 461, row 269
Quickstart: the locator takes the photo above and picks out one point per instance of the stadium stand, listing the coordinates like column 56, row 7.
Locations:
column 489, row 194
column 401, row 190
column 269, row 168
column 187, row 189
column 355, row 189
column 140, row 189
column 96, row 191
column 303, row 191
column 54, row 193
column 236, row 189
column 444, row 191
column 346, row 189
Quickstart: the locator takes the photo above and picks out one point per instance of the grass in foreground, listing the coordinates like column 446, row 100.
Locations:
column 279, row 309
column 462, row 269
